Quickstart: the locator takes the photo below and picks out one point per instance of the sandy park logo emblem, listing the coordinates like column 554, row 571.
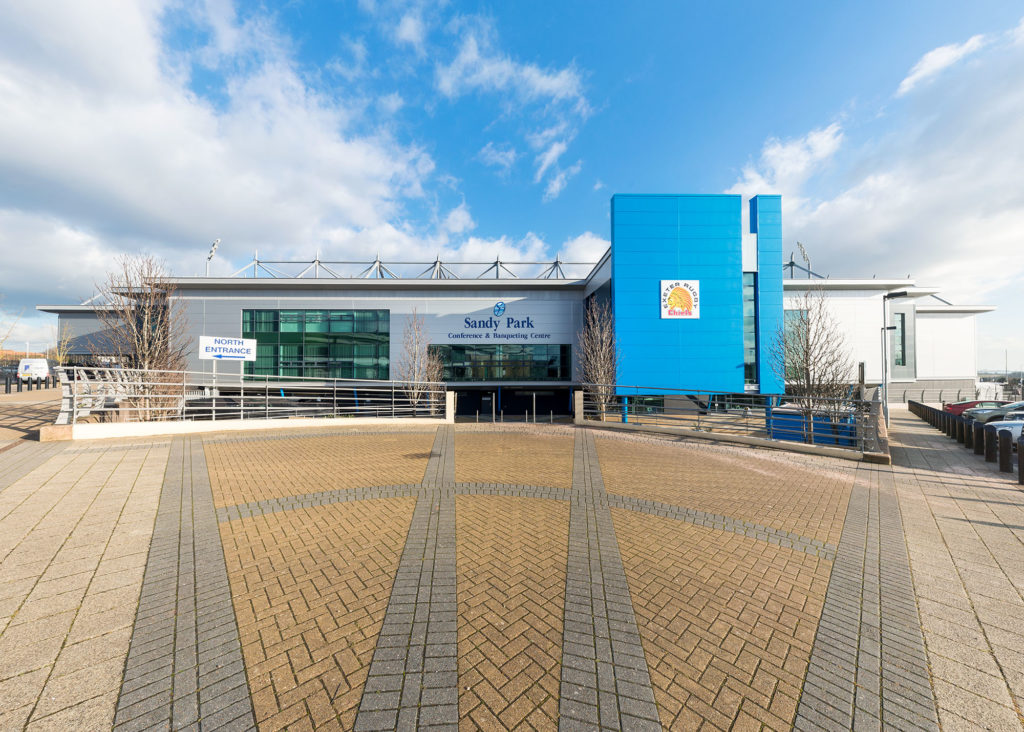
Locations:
column 680, row 299
column 499, row 309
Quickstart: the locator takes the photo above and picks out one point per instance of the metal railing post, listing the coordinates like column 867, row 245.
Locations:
column 266, row 394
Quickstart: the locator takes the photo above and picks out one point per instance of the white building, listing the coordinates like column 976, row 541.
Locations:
column 932, row 344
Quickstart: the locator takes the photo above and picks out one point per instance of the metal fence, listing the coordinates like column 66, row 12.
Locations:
column 846, row 423
column 135, row 395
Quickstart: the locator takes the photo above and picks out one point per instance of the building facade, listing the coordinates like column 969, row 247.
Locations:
column 695, row 284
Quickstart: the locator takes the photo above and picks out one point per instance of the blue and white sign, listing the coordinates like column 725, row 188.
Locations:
column 499, row 309
column 227, row 349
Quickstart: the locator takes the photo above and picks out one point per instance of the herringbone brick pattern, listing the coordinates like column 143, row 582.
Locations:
column 727, row 622
column 513, row 458
column 258, row 470
column 806, row 499
column 510, row 570
column 310, row 588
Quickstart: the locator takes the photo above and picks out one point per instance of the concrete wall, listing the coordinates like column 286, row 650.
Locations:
column 946, row 346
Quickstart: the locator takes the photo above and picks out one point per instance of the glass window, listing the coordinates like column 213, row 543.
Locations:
column 899, row 348
column 319, row 343
column 750, row 328
column 505, row 362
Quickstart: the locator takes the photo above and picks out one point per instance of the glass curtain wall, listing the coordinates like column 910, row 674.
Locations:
column 505, row 362
column 335, row 344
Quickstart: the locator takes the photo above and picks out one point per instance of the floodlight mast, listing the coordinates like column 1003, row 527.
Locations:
column 209, row 256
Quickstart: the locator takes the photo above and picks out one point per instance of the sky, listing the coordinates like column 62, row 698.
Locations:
column 893, row 131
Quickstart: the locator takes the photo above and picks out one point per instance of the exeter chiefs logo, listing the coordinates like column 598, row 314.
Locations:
column 499, row 309
column 680, row 298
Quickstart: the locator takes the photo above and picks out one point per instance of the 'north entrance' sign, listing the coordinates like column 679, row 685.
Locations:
column 227, row 349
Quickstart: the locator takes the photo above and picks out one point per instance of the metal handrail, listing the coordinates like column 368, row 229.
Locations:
column 847, row 422
column 133, row 395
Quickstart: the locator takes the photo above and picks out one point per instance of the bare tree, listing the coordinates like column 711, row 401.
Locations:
column 143, row 322
column 598, row 353
column 144, row 327
column 418, row 366
column 61, row 344
column 813, row 359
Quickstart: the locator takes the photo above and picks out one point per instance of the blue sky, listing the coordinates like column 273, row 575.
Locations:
column 893, row 131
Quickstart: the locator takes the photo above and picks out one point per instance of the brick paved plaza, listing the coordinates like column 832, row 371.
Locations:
column 503, row 577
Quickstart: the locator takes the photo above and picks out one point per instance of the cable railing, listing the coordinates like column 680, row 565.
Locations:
column 135, row 395
column 845, row 423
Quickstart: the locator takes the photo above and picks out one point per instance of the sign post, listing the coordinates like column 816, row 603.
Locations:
column 214, row 348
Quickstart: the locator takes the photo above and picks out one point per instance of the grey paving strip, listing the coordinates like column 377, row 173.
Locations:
column 605, row 680
column 441, row 465
column 868, row 667
column 804, row 544
column 16, row 463
column 308, row 500
column 185, row 667
column 413, row 678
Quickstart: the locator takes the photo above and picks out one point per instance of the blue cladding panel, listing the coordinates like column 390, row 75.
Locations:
column 766, row 221
column 663, row 237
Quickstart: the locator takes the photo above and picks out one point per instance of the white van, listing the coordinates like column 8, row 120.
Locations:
column 30, row 369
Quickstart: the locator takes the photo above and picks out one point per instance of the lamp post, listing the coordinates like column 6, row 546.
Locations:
column 885, row 348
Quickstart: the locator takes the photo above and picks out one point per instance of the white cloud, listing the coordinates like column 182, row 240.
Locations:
column 389, row 104
column 477, row 67
column 554, row 97
column 1017, row 34
column 458, row 220
column 936, row 195
column 784, row 166
column 937, row 60
column 548, row 158
column 556, row 184
column 598, row 185
column 353, row 64
column 502, row 158
column 587, row 247
column 411, row 30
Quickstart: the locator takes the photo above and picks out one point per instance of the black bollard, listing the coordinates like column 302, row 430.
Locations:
column 1005, row 451
column 960, row 436
column 990, row 443
column 29, row 381
column 968, row 434
column 951, row 426
column 7, row 385
column 19, row 385
column 979, row 437
column 1020, row 462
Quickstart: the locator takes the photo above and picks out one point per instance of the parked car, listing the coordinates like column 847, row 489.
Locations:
column 1013, row 425
column 959, row 407
column 991, row 415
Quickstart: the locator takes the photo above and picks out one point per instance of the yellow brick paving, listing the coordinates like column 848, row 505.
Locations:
column 310, row 588
column 727, row 622
column 74, row 537
column 261, row 469
column 792, row 496
column 510, row 572
column 513, row 458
